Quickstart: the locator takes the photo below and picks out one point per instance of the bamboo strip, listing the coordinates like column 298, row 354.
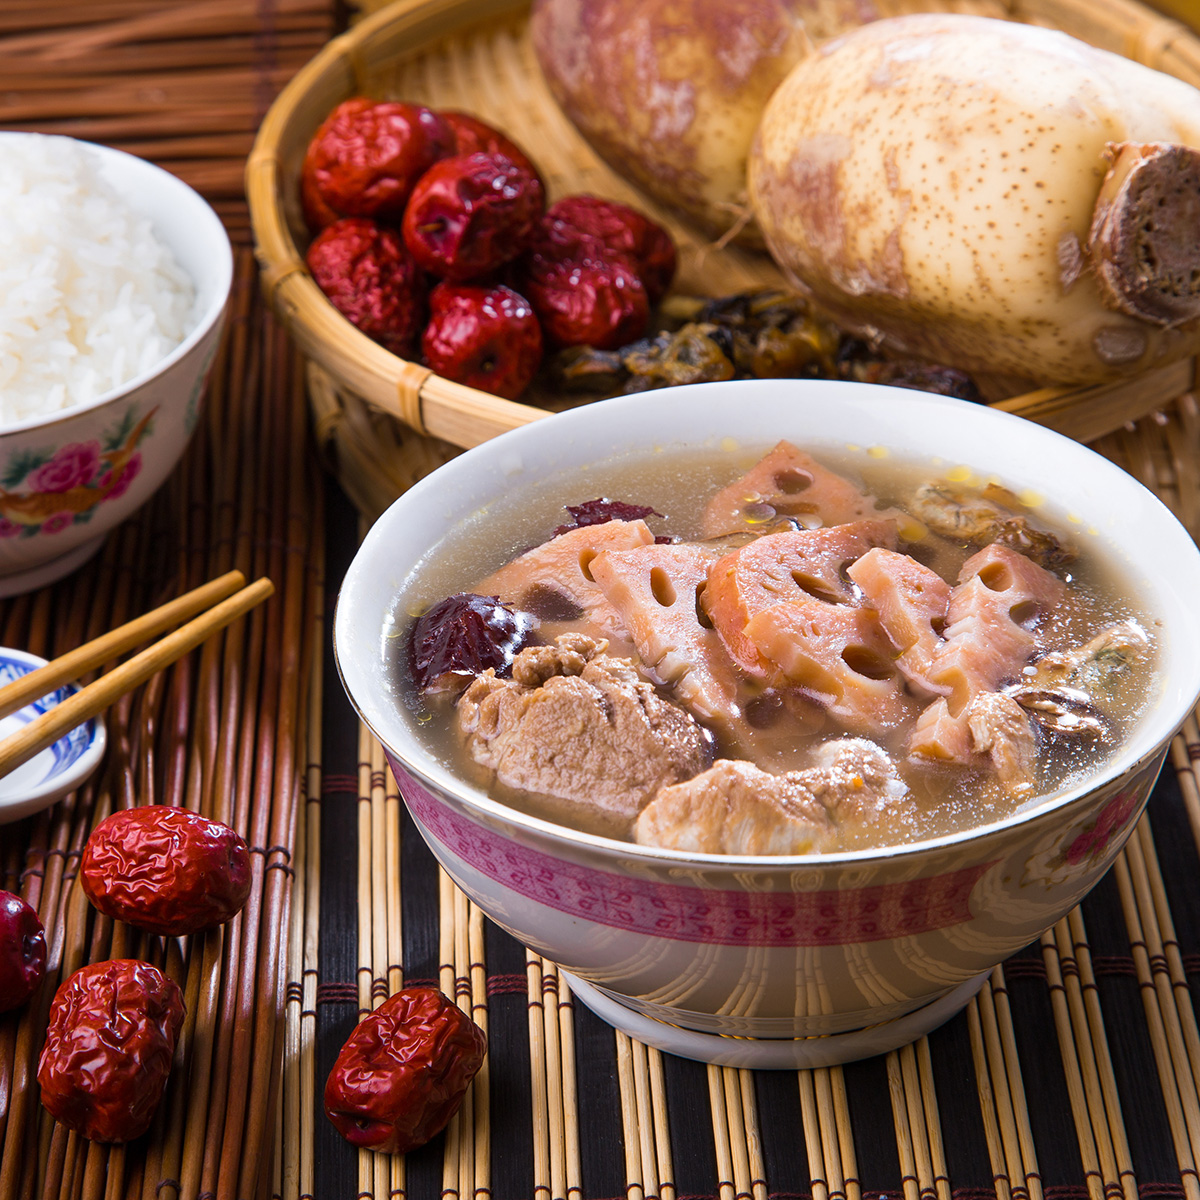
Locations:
column 1091, row 1042
column 481, row 1085
column 933, row 1124
column 392, row 882
column 451, row 1181
column 1176, row 978
column 288, row 1136
column 664, row 1156
column 375, row 1170
column 987, row 1101
column 1104, row 1069
column 222, row 792
column 905, row 1147
column 647, row 1134
column 1162, row 1020
column 758, row 1171
column 259, row 994
column 566, row 1033
column 542, row 1187
column 845, row 1134
column 635, row 1188
column 1002, row 1092
column 462, row 997
column 1185, row 773
column 717, row 1100
column 365, row 974
column 831, row 1133
column 918, row 1128
column 1073, row 1068
column 813, row 1142
column 312, row 867
column 552, row 1065
column 233, row 1047
column 1015, row 1087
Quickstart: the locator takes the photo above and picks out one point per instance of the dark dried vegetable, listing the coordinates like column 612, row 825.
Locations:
column 462, row 636
column 763, row 334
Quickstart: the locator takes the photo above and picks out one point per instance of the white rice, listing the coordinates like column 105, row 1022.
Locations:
column 89, row 297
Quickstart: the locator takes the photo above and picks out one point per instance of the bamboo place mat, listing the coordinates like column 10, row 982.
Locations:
column 1074, row 1073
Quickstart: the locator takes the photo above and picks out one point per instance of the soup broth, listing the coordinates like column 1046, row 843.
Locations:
column 1079, row 691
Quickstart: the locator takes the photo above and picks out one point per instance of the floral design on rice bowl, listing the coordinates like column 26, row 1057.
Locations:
column 47, row 491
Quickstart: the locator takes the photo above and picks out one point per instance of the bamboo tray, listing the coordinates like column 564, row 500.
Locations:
column 387, row 421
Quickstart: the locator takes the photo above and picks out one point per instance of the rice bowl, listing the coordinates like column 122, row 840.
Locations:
column 90, row 297
column 70, row 474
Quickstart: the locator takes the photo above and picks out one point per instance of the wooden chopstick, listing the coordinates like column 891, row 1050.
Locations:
column 45, row 730
column 68, row 667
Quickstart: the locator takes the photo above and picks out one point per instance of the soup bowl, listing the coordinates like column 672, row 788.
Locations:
column 771, row 961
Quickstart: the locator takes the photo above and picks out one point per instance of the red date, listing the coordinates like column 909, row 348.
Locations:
column 371, row 279
column 580, row 227
column 484, row 337
column 368, row 154
column 168, row 870
column 470, row 214
column 403, row 1072
column 473, row 136
column 591, row 302
column 462, row 636
column 22, row 951
column 109, row 1044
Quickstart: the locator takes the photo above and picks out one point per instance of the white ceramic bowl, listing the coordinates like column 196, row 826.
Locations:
column 98, row 462
column 62, row 767
column 814, row 947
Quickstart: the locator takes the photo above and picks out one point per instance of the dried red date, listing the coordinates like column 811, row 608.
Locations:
column 371, row 279
column 365, row 158
column 112, row 1033
column 470, row 214
column 473, row 136
column 168, row 870
column 461, row 637
column 603, row 510
column 403, row 1072
column 22, row 951
column 484, row 337
column 575, row 226
column 595, row 302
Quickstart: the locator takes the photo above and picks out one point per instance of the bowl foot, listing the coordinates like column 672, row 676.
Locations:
column 58, row 568
column 790, row 1054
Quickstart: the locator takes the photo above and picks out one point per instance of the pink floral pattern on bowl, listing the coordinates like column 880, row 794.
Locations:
column 48, row 490
column 1093, row 840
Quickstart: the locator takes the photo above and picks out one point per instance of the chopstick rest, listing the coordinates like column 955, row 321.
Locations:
column 97, row 696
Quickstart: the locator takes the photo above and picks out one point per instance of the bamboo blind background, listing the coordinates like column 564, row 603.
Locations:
column 1073, row 1074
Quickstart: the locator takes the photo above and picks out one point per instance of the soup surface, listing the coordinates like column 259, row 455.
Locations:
column 772, row 652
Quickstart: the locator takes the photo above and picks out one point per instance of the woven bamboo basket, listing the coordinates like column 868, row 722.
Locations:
column 384, row 422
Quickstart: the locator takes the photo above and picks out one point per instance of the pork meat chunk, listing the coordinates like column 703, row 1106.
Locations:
column 850, row 793
column 580, row 725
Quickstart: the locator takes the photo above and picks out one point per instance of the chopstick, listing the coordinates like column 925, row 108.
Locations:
column 115, row 642
column 45, row 730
